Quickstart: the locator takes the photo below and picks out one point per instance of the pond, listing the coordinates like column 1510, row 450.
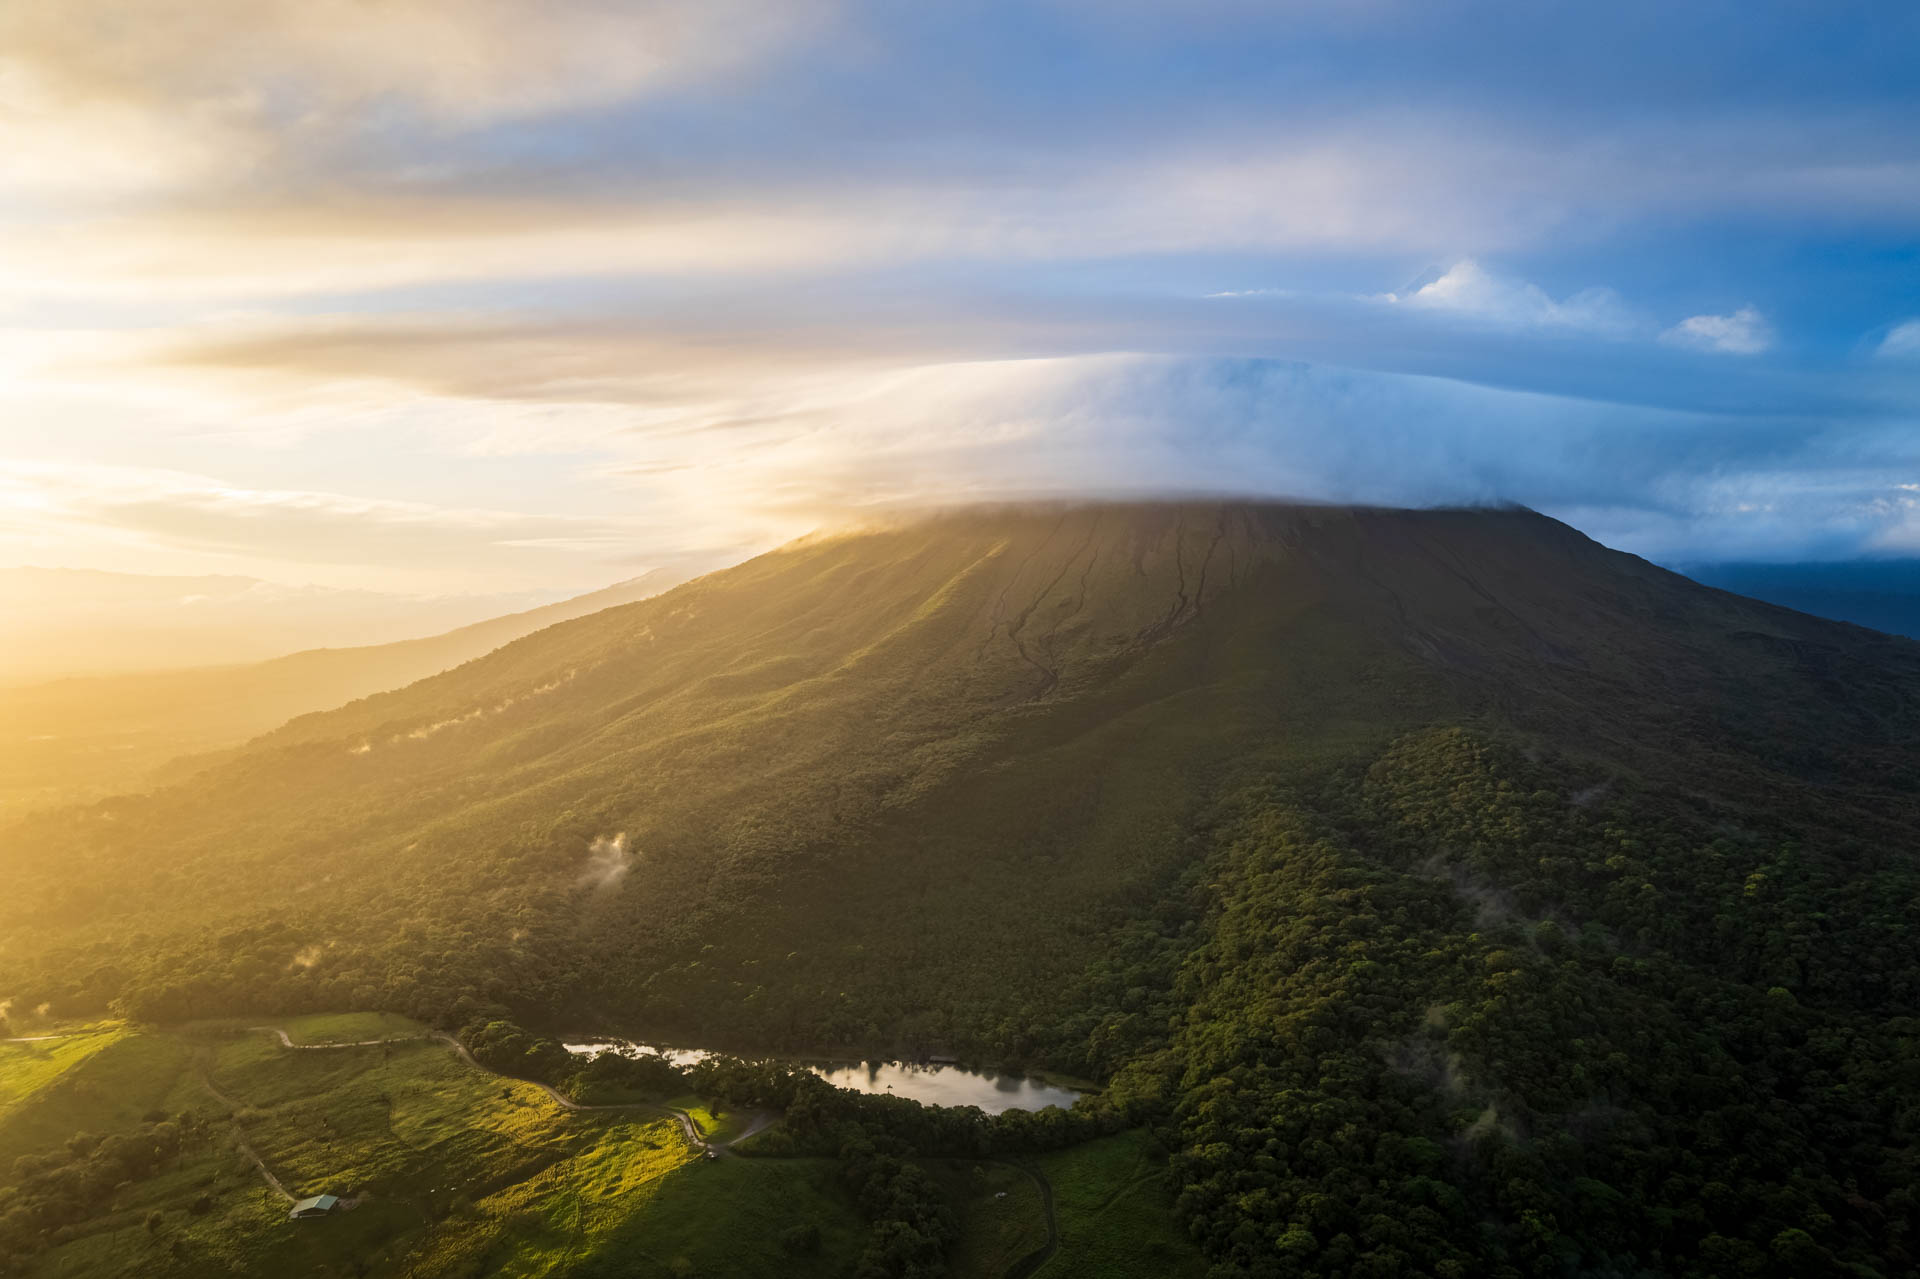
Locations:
column 992, row 1091
column 678, row 1056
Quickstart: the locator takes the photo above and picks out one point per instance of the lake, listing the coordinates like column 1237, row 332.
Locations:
column 678, row 1056
column 992, row 1091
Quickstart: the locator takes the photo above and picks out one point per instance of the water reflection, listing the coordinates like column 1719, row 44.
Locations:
column 990, row 1090
column 678, row 1056
column 934, row 1085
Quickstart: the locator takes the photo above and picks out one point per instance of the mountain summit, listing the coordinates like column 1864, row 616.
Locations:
column 1443, row 818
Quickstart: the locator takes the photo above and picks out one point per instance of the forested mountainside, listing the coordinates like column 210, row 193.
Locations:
column 1458, row 896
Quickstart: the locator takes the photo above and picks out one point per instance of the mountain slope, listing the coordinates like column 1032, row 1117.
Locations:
column 1061, row 678
column 1457, row 894
column 81, row 738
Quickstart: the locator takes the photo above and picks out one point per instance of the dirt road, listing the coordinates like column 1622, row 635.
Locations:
column 688, row 1128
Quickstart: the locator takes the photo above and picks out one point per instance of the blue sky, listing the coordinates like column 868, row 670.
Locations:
column 503, row 294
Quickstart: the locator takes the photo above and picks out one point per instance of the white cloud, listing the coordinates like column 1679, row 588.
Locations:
column 139, row 95
column 315, row 215
column 747, row 466
column 221, row 252
column 1902, row 342
column 70, row 509
column 1469, row 289
column 1745, row 332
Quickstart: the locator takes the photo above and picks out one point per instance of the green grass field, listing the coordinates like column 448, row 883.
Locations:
column 1113, row 1212
column 718, row 1122
column 457, row 1172
column 408, row 1129
column 635, row 1201
column 728, row 1217
column 999, row 1211
column 383, row 1120
column 348, row 1028
column 111, row 1094
column 1110, row 1207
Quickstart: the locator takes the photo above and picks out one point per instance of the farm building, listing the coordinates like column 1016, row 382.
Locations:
column 318, row 1206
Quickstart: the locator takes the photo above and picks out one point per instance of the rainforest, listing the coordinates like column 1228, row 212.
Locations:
column 1401, row 892
column 1030, row 639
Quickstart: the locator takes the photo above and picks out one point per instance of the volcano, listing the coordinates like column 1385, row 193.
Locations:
column 1448, row 889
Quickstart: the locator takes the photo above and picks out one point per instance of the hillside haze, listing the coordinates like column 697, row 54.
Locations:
column 63, row 623
column 81, row 738
column 1453, row 822
column 1055, row 690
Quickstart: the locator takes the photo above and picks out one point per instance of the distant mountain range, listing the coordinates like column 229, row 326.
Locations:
column 1882, row 594
column 92, row 736
column 59, row 622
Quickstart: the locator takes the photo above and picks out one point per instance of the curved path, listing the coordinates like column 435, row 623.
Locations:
column 690, row 1129
column 266, row 1172
column 1034, row 1260
column 287, row 1042
column 240, row 1142
column 1022, row 1269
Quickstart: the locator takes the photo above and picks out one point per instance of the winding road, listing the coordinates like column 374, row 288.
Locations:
column 1022, row 1269
column 266, row 1172
column 240, row 1143
column 688, row 1128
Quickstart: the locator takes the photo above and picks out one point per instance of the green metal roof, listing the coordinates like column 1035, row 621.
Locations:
column 319, row 1203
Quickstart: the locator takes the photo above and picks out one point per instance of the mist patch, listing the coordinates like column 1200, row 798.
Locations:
column 608, row 861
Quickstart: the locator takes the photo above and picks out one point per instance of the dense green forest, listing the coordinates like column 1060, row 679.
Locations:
column 1448, row 894
column 1628, row 1040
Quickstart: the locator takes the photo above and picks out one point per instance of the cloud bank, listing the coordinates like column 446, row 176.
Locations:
column 1469, row 289
column 517, row 295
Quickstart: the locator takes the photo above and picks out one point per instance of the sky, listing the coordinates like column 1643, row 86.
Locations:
column 442, row 296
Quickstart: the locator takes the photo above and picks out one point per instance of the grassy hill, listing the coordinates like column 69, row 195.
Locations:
column 448, row 1171
column 440, row 1161
column 1452, row 894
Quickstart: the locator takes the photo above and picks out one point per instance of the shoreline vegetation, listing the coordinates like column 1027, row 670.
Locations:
column 907, row 1170
column 835, row 1067
column 820, row 1056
